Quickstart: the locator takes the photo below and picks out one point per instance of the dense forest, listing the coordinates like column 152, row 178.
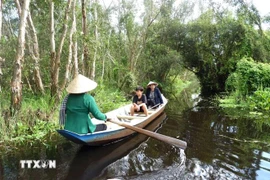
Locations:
column 44, row 44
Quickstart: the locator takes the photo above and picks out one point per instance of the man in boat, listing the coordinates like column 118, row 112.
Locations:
column 139, row 102
column 78, row 104
column 153, row 95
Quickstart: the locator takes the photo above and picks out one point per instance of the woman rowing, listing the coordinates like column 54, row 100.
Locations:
column 78, row 104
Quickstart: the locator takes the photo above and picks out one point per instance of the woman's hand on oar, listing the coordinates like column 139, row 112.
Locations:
column 161, row 137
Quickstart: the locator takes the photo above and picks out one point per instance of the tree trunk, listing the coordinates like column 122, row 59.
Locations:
column 16, row 83
column 1, row 17
column 68, row 65
column 84, row 29
column 18, row 5
column 33, row 47
column 1, row 22
column 57, row 56
column 35, row 55
column 1, row 73
column 1, row 62
column 107, row 55
column 75, row 52
column 93, row 71
column 70, row 47
column 52, row 41
column 103, row 67
column 133, row 46
column 75, row 55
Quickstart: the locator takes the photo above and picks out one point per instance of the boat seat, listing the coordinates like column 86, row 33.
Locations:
column 141, row 113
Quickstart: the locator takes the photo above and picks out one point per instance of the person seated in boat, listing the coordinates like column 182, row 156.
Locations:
column 153, row 95
column 78, row 104
column 139, row 102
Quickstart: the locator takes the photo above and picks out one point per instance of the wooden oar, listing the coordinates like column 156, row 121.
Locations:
column 154, row 106
column 161, row 137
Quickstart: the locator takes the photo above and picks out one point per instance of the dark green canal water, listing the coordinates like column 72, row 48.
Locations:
column 219, row 147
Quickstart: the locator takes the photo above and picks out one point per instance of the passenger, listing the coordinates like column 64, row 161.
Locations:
column 78, row 104
column 153, row 95
column 139, row 102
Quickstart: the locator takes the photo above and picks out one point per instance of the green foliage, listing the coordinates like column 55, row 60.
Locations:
column 260, row 100
column 212, row 44
column 233, row 100
column 128, row 82
column 25, row 133
column 254, row 106
column 109, row 98
column 32, row 123
column 249, row 88
column 175, row 84
column 249, row 77
column 161, row 63
column 207, row 48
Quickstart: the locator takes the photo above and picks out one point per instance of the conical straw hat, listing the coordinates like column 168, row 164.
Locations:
column 81, row 84
column 152, row 82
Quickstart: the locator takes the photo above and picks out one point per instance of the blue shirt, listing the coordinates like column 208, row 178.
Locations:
column 157, row 95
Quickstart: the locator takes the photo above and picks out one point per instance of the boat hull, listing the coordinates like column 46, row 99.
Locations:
column 113, row 134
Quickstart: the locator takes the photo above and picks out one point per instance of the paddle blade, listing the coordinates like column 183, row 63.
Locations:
column 170, row 140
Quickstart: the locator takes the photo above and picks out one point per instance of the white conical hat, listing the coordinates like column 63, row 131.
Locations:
column 152, row 82
column 81, row 84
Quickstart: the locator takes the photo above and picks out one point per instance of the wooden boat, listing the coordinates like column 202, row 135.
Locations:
column 115, row 132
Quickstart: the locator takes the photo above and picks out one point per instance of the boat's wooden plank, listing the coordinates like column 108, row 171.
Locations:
column 149, row 112
column 129, row 117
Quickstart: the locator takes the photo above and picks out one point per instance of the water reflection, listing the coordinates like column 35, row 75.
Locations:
column 223, row 148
